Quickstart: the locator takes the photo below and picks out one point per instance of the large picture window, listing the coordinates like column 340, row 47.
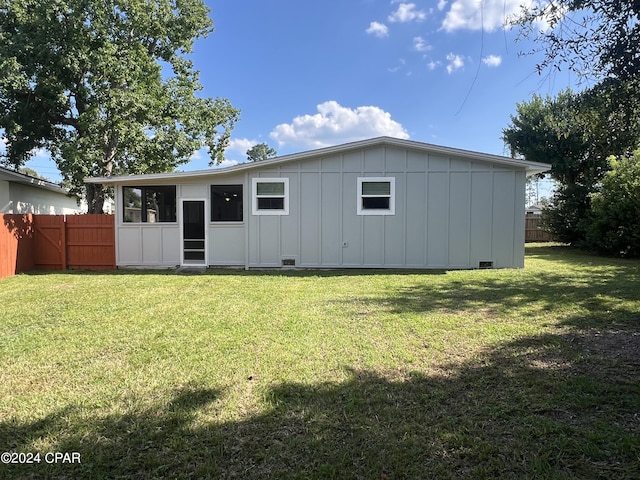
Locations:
column 270, row 196
column 376, row 196
column 226, row 203
column 149, row 204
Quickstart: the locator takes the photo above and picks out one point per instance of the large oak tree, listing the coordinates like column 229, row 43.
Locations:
column 106, row 87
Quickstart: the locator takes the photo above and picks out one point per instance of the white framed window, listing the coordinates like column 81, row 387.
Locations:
column 376, row 196
column 270, row 196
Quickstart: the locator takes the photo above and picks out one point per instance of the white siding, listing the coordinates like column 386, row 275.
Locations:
column 153, row 245
column 450, row 213
column 20, row 198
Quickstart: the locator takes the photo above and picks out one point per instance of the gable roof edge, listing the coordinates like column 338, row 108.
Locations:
column 531, row 168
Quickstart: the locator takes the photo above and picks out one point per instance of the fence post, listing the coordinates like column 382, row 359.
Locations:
column 63, row 234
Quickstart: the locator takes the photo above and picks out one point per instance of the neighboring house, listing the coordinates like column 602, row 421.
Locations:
column 382, row 202
column 534, row 210
column 20, row 193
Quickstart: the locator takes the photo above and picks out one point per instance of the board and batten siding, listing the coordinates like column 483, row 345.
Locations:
column 158, row 244
column 449, row 213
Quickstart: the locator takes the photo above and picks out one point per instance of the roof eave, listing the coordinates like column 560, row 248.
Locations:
column 531, row 168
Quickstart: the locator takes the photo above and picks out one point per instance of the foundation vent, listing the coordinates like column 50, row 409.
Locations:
column 485, row 265
column 288, row 262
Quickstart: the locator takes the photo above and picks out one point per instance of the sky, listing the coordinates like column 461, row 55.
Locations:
column 309, row 74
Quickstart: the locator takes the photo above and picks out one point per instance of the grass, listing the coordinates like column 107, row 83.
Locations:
column 529, row 373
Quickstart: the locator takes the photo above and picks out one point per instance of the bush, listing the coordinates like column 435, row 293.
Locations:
column 614, row 226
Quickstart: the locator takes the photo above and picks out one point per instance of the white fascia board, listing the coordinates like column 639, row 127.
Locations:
column 530, row 167
column 17, row 177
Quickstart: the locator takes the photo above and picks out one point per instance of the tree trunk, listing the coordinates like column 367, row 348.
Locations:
column 95, row 198
column 96, row 193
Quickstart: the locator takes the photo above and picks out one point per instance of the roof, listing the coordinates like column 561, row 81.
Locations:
column 17, row 177
column 530, row 167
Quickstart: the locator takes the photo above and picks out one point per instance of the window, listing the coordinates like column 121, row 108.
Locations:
column 270, row 196
column 149, row 204
column 376, row 196
column 226, row 203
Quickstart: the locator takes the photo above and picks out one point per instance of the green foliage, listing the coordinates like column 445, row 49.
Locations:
column 615, row 224
column 32, row 173
column 594, row 38
column 261, row 151
column 576, row 133
column 106, row 87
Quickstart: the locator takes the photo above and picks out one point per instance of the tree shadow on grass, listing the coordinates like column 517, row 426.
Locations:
column 605, row 299
column 538, row 407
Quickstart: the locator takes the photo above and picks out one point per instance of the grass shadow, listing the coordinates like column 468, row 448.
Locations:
column 601, row 299
column 539, row 407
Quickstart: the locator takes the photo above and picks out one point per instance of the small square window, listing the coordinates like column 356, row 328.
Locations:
column 376, row 196
column 270, row 196
column 226, row 203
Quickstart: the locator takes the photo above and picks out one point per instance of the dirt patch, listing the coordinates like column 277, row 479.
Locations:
column 623, row 345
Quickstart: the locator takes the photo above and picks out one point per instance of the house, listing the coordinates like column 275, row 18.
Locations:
column 382, row 202
column 20, row 193
column 534, row 210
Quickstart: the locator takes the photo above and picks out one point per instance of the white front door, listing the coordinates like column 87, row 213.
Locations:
column 193, row 232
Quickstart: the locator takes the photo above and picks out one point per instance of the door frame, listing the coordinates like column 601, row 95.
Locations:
column 206, row 232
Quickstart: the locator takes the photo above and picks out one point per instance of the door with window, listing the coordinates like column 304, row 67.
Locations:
column 193, row 226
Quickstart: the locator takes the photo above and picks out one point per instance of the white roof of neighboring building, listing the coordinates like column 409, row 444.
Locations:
column 17, row 177
column 530, row 167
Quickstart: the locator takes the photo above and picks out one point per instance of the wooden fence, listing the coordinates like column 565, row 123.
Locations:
column 56, row 242
column 533, row 232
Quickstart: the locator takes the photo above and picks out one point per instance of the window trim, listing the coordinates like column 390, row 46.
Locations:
column 377, row 211
column 254, row 196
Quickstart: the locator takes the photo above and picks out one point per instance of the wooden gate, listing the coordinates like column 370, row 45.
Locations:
column 63, row 242
column 91, row 242
column 49, row 239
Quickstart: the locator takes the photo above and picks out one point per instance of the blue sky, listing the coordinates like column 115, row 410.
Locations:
column 308, row 74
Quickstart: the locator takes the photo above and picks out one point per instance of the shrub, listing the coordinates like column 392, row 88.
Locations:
column 614, row 226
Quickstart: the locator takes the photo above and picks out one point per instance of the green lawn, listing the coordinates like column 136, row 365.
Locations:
column 531, row 373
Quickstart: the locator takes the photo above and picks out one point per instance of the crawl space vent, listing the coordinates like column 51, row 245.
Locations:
column 485, row 265
column 288, row 262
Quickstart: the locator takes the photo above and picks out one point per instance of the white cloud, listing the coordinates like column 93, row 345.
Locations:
column 420, row 45
column 335, row 124
column 378, row 29
column 492, row 60
column 442, row 4
column 485, row 14
column 240, row 145
column 456, row 62
column 407, row 12
column 401, row 63
column 433, row 65
column 226, row 163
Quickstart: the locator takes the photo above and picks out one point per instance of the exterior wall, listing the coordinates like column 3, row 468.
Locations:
column 449, row 213
column 18, row 198
column 5, row 198
column 158, row 244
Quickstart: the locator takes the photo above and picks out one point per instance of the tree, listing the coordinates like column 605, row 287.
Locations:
column 615, row 216
column 261, row 151
column 595, row 38
column 575, row 133
column 105, row 86
column 32, row 173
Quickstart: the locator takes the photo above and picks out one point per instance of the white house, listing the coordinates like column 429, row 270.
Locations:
column 382, row 202
column 20, row 193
